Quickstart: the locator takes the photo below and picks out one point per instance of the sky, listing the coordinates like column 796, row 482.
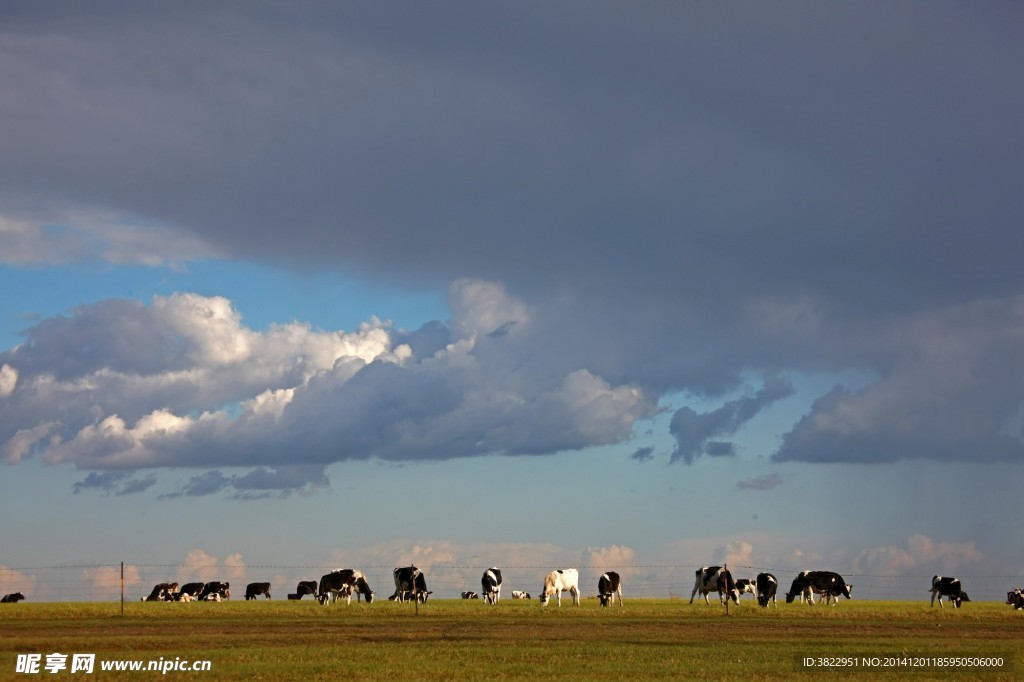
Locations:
column 518, row 284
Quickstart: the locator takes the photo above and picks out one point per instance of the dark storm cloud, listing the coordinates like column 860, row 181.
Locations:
column 952, row 394
column 682, row 193
column 694, row 432
column 818, row 147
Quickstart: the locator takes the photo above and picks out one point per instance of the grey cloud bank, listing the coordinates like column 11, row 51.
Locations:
column 626, row 202
column 95, row 391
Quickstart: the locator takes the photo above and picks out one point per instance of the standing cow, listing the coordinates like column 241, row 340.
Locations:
column 410, row 583
column 708, row 582
column 948, row 587
column 558, row 581
column 609, row 585
column 1015, row 598
column 490, row 586
column 12, row 598
column 767, row 587
column 253, row 590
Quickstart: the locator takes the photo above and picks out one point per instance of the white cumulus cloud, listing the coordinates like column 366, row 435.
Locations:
column 185, row 383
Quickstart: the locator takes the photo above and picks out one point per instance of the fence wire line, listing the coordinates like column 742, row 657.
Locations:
column 101, row 582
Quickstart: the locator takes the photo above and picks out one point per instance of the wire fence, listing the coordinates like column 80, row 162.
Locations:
column 103, row 582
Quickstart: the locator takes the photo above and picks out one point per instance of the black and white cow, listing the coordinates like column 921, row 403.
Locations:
column 343, row 582
column 470, row 595
column 948, row 587
column 191, row 589
column 215, row 587
column 410, row 583
column 12, row 598
column 609, row 585
column 1015, row 598
column 163, row 592
column 727, row 587
column 767, row 586
column 829, row 585
column 708, row 582
column 826, row 583
column 746, row 586
column 519, row 594
column 490, row 585
column 253, row 590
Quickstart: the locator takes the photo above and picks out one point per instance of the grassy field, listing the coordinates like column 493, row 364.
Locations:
column 455, row 640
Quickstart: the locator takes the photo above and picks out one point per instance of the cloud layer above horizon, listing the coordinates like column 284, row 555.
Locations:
column 623, row 204
column 183, row 383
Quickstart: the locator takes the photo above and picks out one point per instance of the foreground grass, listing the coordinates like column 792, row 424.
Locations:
column 455, row 640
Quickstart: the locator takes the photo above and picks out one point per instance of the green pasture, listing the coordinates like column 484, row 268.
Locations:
column 466, row 640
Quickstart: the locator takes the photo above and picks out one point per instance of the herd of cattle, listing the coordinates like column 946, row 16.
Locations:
column 828, row 584
column 411, row 584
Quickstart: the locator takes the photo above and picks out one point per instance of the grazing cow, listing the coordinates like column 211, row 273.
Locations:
column 826, row 583
column 745, row 586
column 12, row 598
column 192, row 589
column 305, row 587
column 519, row 594
column 559, row 580
column 470, row 595
column 727, row 586
column 766, row 588
column 163, row 592
column 1015, row 598
column 948, row 587
column 253, row 590
column 707, row 582
column 609, row 585
column 490, row 585
column 215, row 587
column 410, row 583
column 342, row 582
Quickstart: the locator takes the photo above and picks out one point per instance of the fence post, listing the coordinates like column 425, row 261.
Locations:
column 415, row 594
column 122, row 588
column 725, row 570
